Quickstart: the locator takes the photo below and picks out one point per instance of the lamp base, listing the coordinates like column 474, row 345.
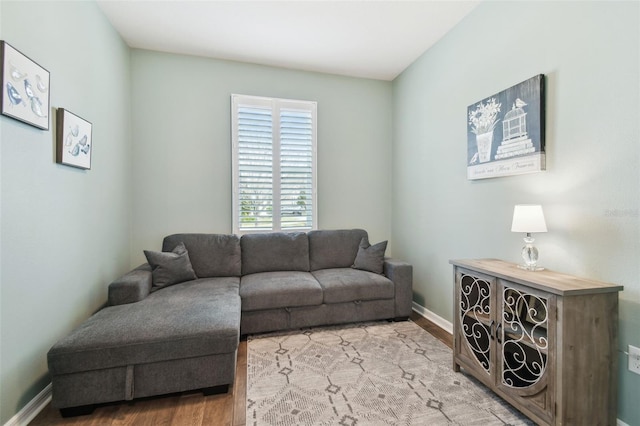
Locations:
column 531, row 268
column 529, row 255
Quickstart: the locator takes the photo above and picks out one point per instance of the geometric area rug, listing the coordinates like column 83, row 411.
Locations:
column 375, row 373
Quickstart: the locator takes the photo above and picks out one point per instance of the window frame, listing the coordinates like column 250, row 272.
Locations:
column 276, row 105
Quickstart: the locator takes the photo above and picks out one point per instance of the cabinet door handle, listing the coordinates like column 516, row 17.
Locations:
column 498, row 332
column 491, row 328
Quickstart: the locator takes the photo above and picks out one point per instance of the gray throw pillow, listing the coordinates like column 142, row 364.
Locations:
column 168, row 268
column 370, row 257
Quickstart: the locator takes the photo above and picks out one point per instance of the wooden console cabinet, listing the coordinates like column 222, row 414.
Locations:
column 543, row 341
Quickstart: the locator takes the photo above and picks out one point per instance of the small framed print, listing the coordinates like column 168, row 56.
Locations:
column 73, row 140
column 25, row 88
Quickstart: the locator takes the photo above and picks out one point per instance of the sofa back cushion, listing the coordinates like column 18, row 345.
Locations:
column 277, row 251
column 334, row 248
column 211, row 255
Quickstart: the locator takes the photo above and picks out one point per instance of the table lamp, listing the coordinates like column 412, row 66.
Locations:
column 529, row 218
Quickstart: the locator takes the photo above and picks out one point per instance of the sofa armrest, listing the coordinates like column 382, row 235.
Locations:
column 132, row 287
column 401, row 273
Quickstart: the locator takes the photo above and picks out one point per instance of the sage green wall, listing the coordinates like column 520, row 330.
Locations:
column 60, row 247
column 65, row 232
column 182, row 144
column 589, row 52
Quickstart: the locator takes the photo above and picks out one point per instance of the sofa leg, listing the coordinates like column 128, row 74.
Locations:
column 215, row 390
column 398, row 319
column 83, row 410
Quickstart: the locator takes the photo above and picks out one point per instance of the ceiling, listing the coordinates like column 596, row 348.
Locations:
column 370, row 39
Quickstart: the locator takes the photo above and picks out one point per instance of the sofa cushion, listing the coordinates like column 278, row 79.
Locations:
column 212, row 255
column 269, row 290
column 370, row 257
column 334, row 248
column 195, row 318
column 169, row 268
column 349, row 285
column 277, row 251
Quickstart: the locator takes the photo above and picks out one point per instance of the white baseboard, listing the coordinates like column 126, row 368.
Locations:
column 32, row 409
column 436, row 319
column 621, row 423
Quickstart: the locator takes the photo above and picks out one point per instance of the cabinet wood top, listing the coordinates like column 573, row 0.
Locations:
column 552, row 282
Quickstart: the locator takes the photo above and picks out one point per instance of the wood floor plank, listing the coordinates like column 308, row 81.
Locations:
column 189, row 408
column 433, row 329
column 240, row 387
column 112, row 414
column 218, row 410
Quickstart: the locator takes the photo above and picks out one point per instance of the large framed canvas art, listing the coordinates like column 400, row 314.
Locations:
column 505, row 132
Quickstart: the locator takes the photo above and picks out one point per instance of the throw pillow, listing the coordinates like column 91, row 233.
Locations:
column 168, row 268
column 370, row 257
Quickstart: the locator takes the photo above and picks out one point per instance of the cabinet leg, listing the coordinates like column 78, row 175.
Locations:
column 456, row 367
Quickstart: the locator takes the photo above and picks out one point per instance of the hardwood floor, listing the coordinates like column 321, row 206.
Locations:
column 435, row 330
column 188, row 408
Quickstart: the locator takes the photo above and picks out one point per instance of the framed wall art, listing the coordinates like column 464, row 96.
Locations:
column 25, row 88
column 505, row 132
column 73, row 140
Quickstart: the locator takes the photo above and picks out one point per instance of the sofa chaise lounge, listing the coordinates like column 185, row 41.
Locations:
column 158, row 336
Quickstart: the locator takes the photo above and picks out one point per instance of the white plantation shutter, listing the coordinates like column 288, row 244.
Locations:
column 296, row 169
column 255, row 167
column 274, row 157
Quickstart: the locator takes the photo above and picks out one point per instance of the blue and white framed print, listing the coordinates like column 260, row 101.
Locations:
column 25, row 88
column 73, row 140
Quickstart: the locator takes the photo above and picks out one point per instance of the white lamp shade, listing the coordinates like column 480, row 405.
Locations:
column 528, row 218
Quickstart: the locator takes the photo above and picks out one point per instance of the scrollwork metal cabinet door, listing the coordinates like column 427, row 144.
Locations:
column 475, row 324
column 525, row 338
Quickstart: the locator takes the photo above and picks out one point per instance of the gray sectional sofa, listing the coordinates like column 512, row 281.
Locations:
column 175, row 326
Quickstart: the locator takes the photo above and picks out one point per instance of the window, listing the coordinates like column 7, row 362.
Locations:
column 274, row 164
